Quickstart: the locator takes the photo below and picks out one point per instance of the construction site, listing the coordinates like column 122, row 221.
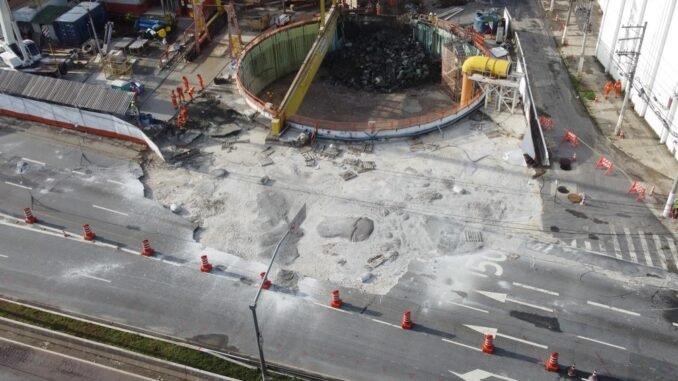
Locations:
column 369, row 114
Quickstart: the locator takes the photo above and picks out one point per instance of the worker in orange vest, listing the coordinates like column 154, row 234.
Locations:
column 180, row 93
column 378, row 8
column 174, row 100
column 200, row 82
column 191, row 91
column 617, row 88
column 186, row 84
column 608, row 88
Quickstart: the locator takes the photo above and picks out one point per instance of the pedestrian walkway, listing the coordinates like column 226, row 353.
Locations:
column 643, row 157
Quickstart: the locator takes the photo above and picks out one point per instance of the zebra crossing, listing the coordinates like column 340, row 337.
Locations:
column 656, row 250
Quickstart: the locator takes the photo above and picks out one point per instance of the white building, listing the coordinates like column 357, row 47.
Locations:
column 655, row 89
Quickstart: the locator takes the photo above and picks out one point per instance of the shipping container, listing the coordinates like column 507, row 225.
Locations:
column 74, row 27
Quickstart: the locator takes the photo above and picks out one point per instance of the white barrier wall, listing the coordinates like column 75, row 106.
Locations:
column 73, row 118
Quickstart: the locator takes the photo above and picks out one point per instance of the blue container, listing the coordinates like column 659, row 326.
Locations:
column 73, row 27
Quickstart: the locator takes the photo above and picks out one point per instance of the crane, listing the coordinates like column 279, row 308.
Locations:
column 15, row 52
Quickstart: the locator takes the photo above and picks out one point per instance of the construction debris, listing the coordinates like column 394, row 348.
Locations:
column 348, row 175
column 379, row 58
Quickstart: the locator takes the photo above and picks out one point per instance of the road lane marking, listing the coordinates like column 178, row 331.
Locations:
column 461, row 345
column 110, row 210
column 33, row 161
column 76, row 359
column 78, row 172
column 601, row 246
column 660, row 251
column 646, row 248
column 480, row 375
column 675, row 324
column 602, row 342
column 536, row 289
column 495, row 332
column 476, row 274
column 331, row 308
column 632, row 248
column 17, row 185
column 615, row 242
column 632, row 313
column 4, row 256
column 114, row 182
column 587, row 244
column 469, row 307
column 504, row 298
column 672, row 247
column 95, row 278
column 171, row 262
column 386, row 323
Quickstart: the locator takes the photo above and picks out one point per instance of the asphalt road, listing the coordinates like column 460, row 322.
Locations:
column 535, row 303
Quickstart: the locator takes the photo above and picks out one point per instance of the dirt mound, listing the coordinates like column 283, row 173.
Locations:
column 353, row 229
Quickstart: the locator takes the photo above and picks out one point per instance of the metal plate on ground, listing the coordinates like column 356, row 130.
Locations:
column 473, row 236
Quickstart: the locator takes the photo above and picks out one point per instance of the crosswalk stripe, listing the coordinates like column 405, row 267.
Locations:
column 601, row 246
column 615, row 242
column 672, row 247
column 646, row 248
column 573, row 243
column 660, row 251
column 632, row 249
column 587, row 244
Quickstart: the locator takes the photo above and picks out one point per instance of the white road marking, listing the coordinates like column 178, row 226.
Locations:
column 78, row 172
column 587, row 245
column 573, row 243
column 96, row 278
column 646, row 248
column 476, row 274
column 114, row 182
column 110, row 210
column 171, row 262
column 33, row 161
column 504, row 298
column 17, row 185
column 602, row 342
column 495, row 332
column 660, row 251
column 536, row 289
column 75, row 359
column 601, row 246
column 612, row 308
column 615, row 242
column 332, row 308
column 632, row 248
column 675, row 324
column 4, row 256
column 469, row 307
column 461, row 345
column 387, row 323
column 672, row 247
column 480, row 375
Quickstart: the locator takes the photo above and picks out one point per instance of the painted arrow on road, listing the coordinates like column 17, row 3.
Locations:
column 495, row 332
column 479, row 375
column 504, row 298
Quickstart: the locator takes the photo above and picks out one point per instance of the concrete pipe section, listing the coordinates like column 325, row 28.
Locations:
column 340, row 111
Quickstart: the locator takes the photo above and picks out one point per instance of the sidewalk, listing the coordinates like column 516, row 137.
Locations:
column 640, row 153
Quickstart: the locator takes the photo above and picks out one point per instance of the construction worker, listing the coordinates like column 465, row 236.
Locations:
column 617, row 88
column 200, row 82
column 174, row 100
column 608, row 88
column 180, row 93
column 191, row 91
column 378, row 8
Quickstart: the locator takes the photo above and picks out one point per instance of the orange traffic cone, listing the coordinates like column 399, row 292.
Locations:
column 205, row 266
column 146, row 249
column 88, row 233
column 406, row 323
column 336, row 300
column 266, row 283
column 29, row 218
column 552, row 364
column 488, row 345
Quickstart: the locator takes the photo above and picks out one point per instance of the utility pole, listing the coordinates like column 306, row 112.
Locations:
column 567, row 22
column 671, row 199
column 553, row 2
column 632, row 73
column 587, row 26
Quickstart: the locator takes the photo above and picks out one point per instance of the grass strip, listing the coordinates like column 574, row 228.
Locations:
column 133, row 342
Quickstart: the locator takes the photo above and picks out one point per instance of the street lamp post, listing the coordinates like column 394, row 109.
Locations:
column 293, row 226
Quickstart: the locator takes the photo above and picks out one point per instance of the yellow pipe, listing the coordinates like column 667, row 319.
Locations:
column 482, row 65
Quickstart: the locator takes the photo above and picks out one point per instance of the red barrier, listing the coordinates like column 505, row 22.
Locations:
column 603, row 162
column 570, row 137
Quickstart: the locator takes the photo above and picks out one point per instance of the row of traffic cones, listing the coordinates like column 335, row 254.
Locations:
column 88, row 234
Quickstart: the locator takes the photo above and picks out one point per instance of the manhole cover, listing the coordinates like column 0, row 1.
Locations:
column 574, row 198
column 565, row 164
column 563, row 189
